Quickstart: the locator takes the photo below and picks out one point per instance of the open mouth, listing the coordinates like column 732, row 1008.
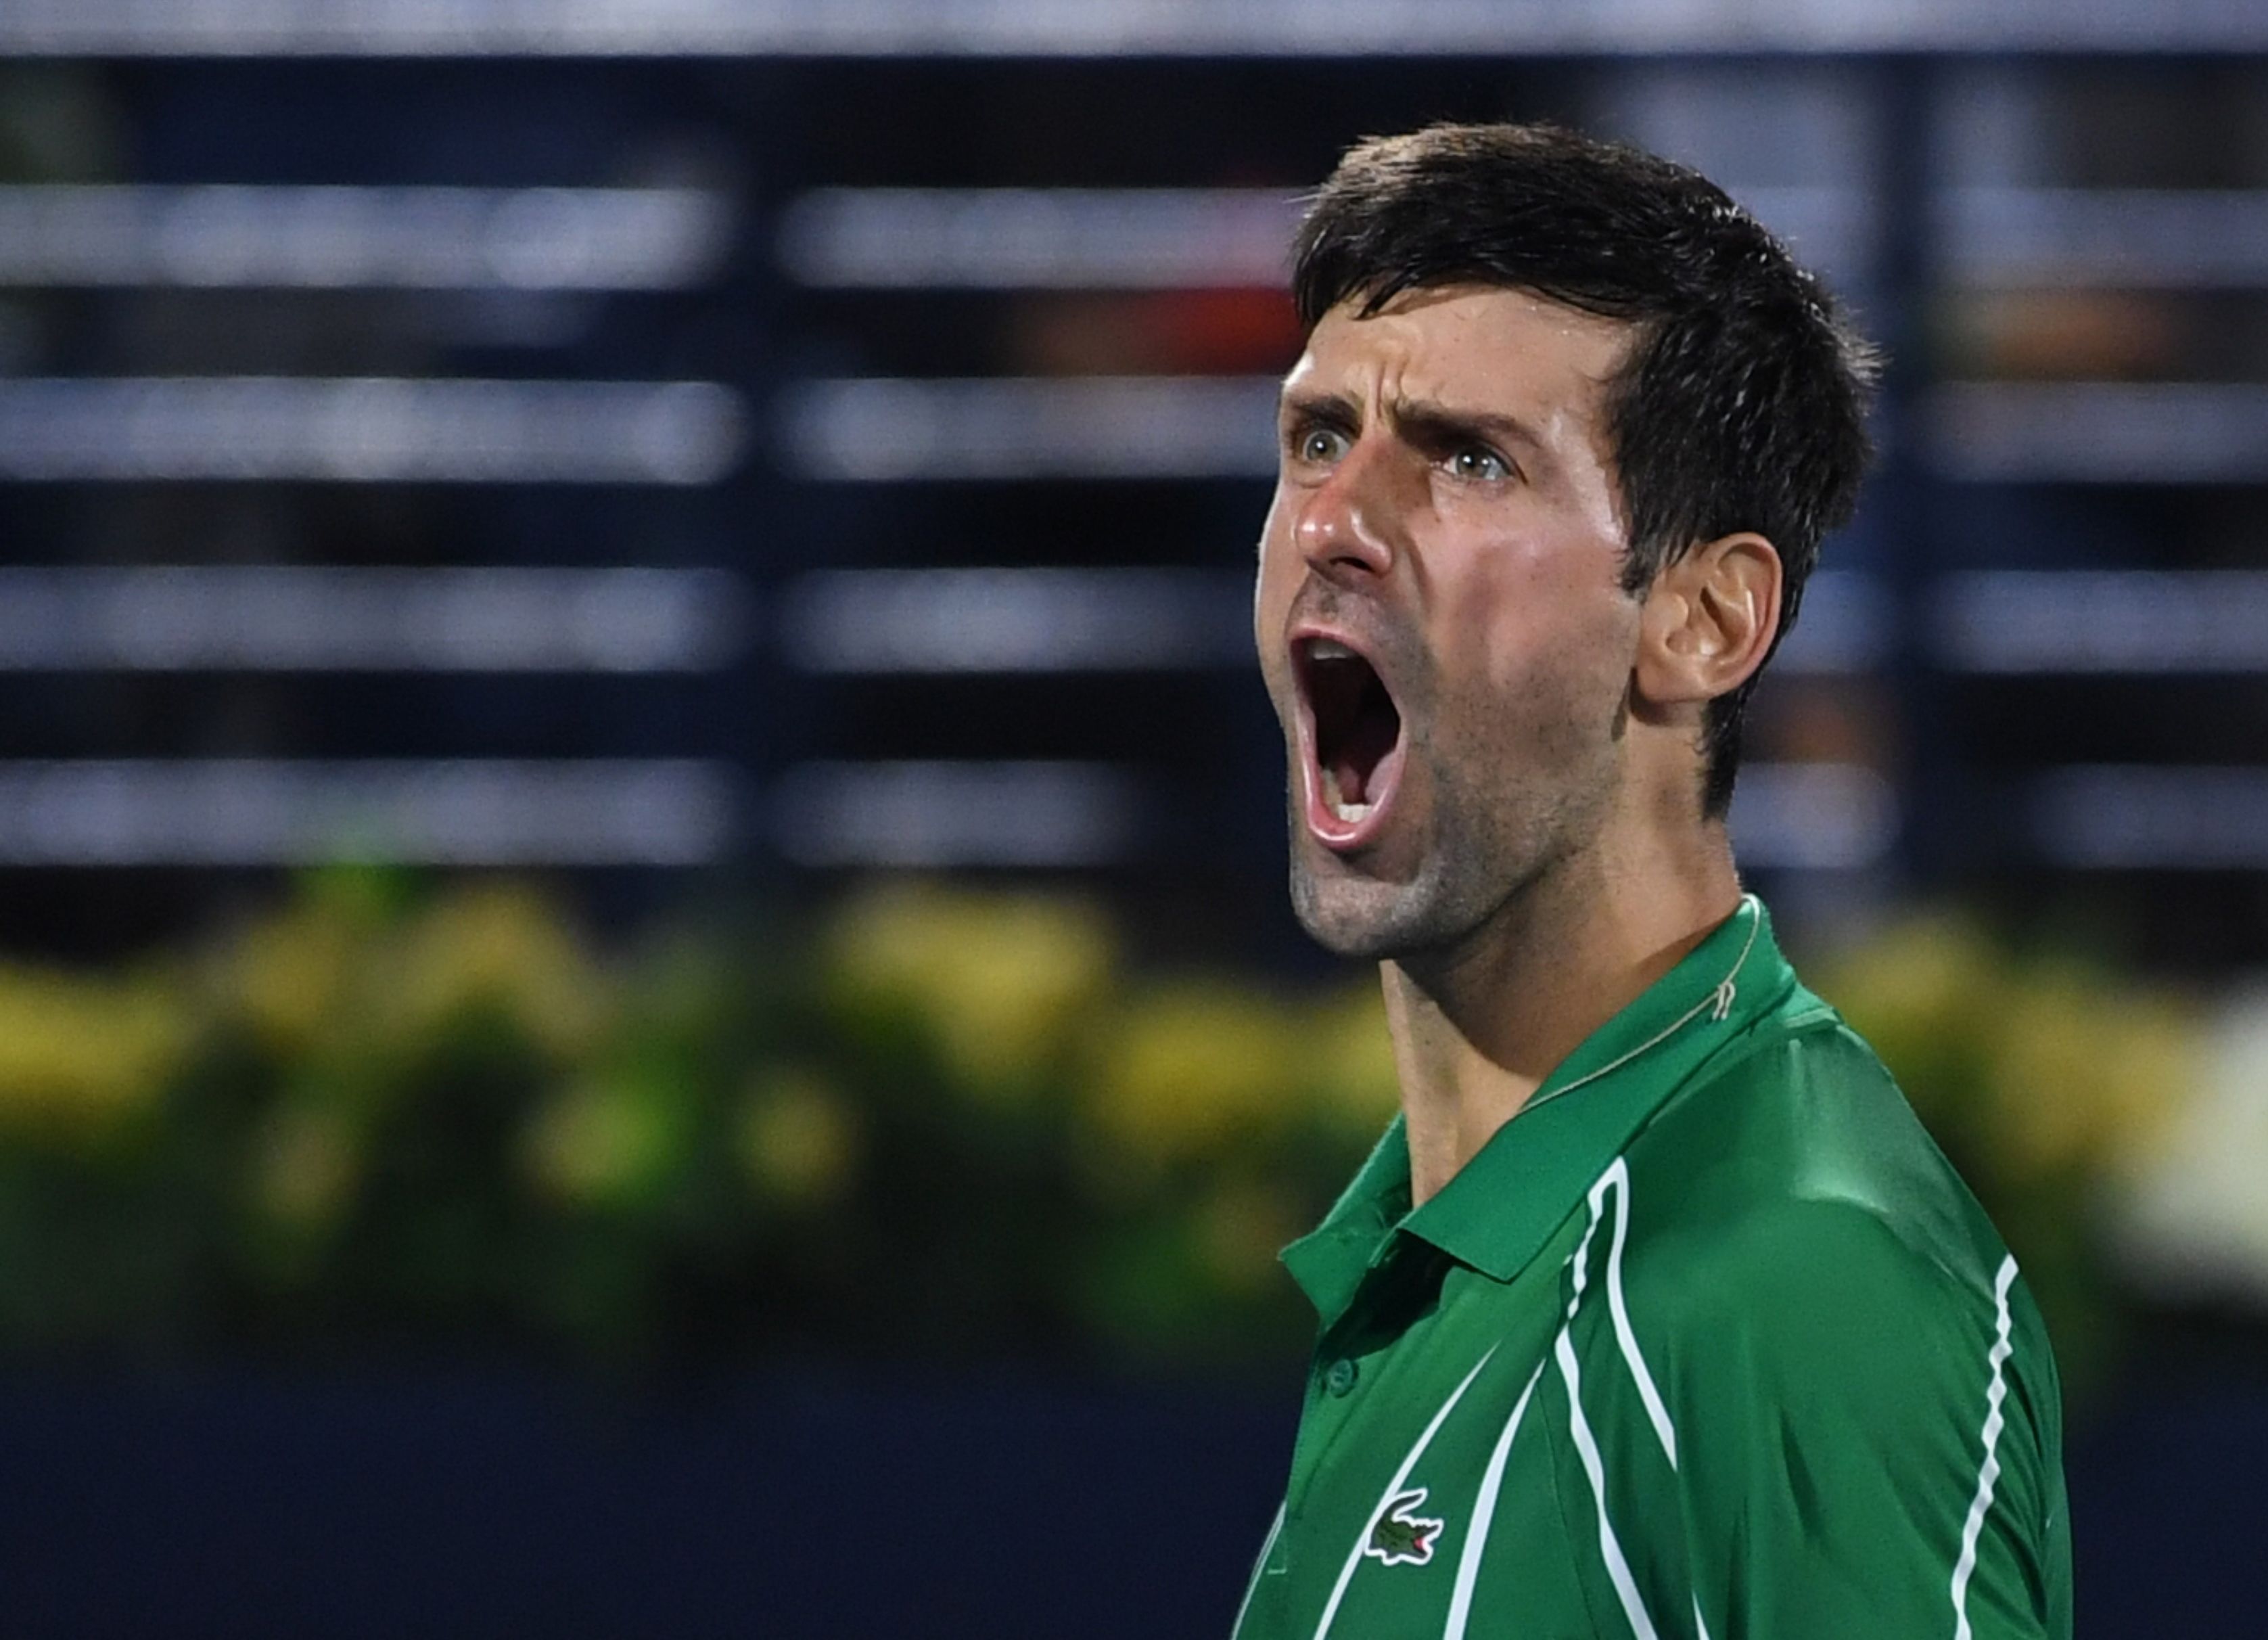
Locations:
column 1357, row 738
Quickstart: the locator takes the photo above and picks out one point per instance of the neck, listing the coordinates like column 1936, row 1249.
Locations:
column 1478, row 1027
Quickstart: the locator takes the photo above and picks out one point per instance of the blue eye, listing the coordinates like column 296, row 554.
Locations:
column 1480, row 465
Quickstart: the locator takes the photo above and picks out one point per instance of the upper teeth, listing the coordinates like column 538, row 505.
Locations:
column 1327, row 649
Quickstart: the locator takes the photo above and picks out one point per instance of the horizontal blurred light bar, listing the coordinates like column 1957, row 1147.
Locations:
column 299, row 618
column 904, row 238
column 1146, row 239
column 1113, row 28
column 2102, row 431
column 2131, row 816
column 1833, row 229
column 1812, row 816
column 1133, row 238
column 1847, row 624
column 1017, row 620
column 2136, row 237
column 1072, row 620
column 2064, row 621
column 538, row 239
column 1032, row 814
column 883, row 429
column 1798, row 816
column 369, row 430
column 256, row 812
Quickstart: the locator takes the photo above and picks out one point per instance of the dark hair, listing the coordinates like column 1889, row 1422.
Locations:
column 1741, row 403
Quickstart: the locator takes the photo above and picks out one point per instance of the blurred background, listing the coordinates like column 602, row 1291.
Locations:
column 643, row 977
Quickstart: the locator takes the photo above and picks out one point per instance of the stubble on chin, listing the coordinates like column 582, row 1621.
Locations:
column 1486, row 853
column 1348, row 918
column 1361, row 933
column 1369, row 918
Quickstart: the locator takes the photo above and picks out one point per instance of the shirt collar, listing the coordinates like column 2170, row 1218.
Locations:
column 1503, row 1206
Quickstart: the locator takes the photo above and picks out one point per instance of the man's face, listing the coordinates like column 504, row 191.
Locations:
column 1441, row 615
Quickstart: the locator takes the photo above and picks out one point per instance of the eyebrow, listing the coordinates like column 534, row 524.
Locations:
column 1427, row 420
column 1332, row 409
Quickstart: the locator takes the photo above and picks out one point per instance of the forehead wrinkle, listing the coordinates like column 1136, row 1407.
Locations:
column 1368, row 367
column 1418, row 354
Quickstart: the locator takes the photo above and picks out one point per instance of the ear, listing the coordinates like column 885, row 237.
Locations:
column 1708, row 621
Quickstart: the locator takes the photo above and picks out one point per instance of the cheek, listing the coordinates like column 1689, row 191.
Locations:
column 1539, row 629
column 1275, row 537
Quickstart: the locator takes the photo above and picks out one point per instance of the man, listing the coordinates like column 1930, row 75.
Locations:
column 1655, row 1312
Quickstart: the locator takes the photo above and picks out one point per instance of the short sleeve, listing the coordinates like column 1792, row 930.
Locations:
column 1866, row 1439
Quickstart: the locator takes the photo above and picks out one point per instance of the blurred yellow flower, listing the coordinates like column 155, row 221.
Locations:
column 289, row 976
column 79, row 1053
column 501, row 946
column 1923, row 993
column 2082, row 1076
column 606, row 1141
column 2047, row 1066
column 307, row 1165
column 1193, row 1067
column 1350, row 1060
column 798, row 1140
column 998, row 981
column 1240, row 1228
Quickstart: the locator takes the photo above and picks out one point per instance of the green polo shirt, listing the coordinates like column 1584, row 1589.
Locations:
column 1708, row 1340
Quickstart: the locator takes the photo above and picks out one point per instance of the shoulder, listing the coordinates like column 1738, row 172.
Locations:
column 1795, row 1234
column 1793, row 1161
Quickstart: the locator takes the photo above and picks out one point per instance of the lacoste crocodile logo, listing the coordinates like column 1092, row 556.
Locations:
column 1400, row 1536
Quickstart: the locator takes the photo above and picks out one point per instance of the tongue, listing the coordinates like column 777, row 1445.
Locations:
column 1365, row 735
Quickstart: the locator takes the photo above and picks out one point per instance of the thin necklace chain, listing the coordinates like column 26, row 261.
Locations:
column 1719, row 1003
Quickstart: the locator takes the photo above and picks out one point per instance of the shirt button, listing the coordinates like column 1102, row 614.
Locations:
column 1339, row 1378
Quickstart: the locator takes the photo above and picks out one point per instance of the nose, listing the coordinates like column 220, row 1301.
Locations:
column 1345, row 526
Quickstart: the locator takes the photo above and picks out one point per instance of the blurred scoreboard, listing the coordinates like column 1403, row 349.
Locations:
column 704, row 446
